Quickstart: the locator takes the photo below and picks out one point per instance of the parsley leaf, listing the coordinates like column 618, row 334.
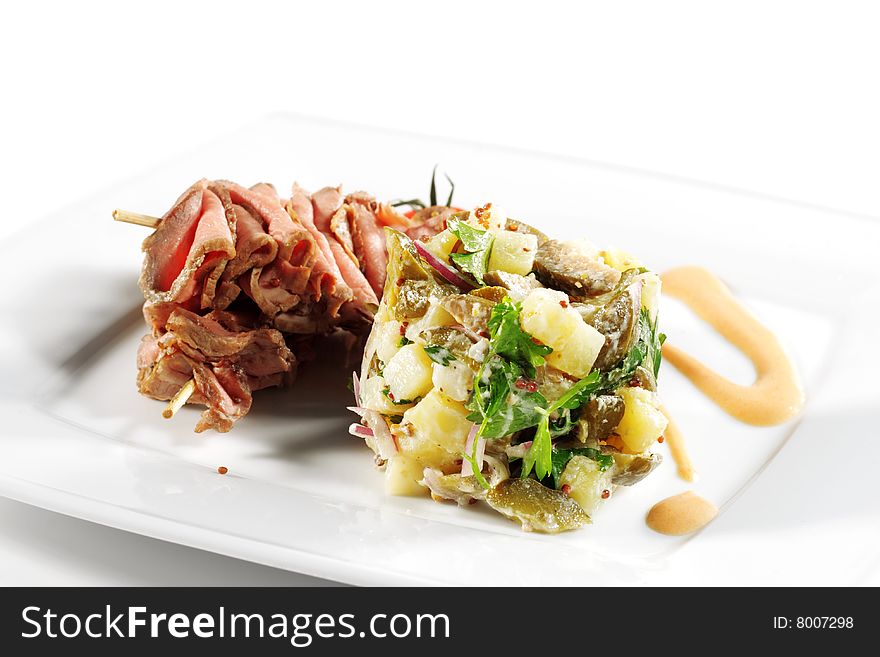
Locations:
column 476, row 264
column 477, row 245
column 580, row 393
column 439, row 354
column 503, row 401
column 472, row 239
column 540, row 454
column 500, row 405
column 404, row 341
column 561, row 457
column 507, row 338
column 653, row 343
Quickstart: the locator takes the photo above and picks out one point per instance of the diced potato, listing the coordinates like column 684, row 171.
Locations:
column 651, row 294
column 642, row 421
column 402, row 476
column 619, row 260
column 426, row 452
column 373, row 398
column 387, row 340
column 454, row 380
column 513, row 252
column 547, row 315
column 439, row 431
column 435, row 317
column 408, row 374
column 587, row 482
column 441, row 244
column 494, row 220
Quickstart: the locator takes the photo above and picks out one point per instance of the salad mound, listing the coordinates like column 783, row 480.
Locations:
column 510, row 368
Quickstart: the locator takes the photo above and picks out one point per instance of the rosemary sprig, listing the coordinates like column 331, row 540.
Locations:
column 420, row 204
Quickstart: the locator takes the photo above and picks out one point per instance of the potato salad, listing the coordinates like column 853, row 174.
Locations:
column 511, row 369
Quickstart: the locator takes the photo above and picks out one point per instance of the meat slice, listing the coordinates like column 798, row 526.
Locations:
column 226, row 364
column 187, row 253
column 161, row 371
column 368, row 236
column 259, row 352
column 254, row 249
column 294, row 243
column 334, row 282
column 341, row 230
column 236, row 277
column 325, row 202
column 275, row 284
column 226, row 394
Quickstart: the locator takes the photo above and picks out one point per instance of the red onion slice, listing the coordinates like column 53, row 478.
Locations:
column 382, row 434
column 442, row 268
column 360, row 430
column 466, row 468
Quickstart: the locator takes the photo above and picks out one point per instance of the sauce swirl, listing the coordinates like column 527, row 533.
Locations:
column 776, row 394
column 774, row 397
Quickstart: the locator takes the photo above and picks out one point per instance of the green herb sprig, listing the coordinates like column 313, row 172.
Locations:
column 646, row 350
column 420, row 204
column 503, row 402
column 477, row 245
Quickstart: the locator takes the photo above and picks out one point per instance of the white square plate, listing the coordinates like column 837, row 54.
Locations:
column 799, row 503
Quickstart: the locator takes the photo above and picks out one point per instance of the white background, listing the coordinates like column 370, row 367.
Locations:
column 776, row 97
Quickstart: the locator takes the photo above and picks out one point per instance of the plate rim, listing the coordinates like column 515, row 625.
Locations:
column 258, row 551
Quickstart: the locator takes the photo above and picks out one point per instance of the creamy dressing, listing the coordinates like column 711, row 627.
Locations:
column 681, row 514
column 773, row 398
column 675, row 440
column 776, row 395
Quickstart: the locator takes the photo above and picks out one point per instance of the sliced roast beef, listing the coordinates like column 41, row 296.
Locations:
column 327, row 282
column 254, row 249
column 274, row 284
column 235, row 277
column 368, row 236
column 313, row 212
column 226, row 364
column 162, row 372
column 294, row 242
column 341, row 230
column 325, row 202
column 186, row 255
column 259, row 352
column 226, row 394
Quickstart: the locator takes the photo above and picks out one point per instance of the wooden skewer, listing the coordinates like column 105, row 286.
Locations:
column 136, row 218
column 179, row 399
